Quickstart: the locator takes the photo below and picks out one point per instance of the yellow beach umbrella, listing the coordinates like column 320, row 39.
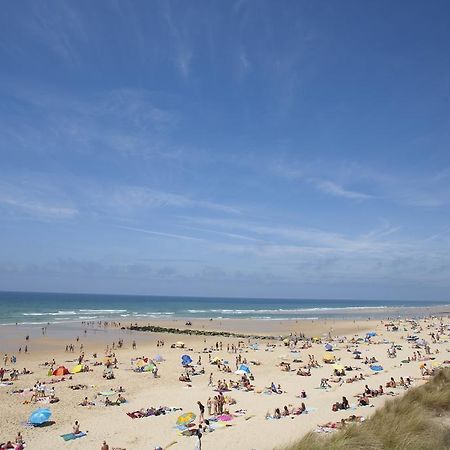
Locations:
column 77, row 369
column 141, row 363
column 436, row 363
column 338, row 367
column 186, row 418
column 329, row 357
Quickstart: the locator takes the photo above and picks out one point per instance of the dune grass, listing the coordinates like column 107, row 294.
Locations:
column 419, row 420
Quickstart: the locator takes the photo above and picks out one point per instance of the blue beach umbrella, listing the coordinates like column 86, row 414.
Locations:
column 376, row 368
column 371, row 334
column 328, row 347
column 186, row 360
column 39, row 416
column 244, row 368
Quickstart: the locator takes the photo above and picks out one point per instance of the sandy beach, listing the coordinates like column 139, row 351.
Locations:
column 246, row 425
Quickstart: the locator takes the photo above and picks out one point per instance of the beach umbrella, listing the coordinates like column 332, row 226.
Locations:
column 77, row 369
column 328, row 357
column 186, row 360
column 61, row 370
column 140, row 363
column 436, row 363
column 328, row 347
column 254, row 346
column 149, row 367
column 356, row 352
column 186, row 418
column 180, row 344
column 338, row 367
column 106, row 361
column 376, row 368
column 159, row 358
column 245, row 368
column 371, row 334
column 39, row 416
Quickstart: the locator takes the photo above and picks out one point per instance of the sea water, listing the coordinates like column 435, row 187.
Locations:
column 42, row 308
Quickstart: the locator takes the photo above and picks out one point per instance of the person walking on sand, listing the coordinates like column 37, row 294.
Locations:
column 105, row 446
column 198, row 445
column 202, row 411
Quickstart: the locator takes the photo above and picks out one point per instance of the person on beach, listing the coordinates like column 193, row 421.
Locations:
column 105, row 446
column 19, row 438
column 76, row 428
column 198, row 445
column 202, row 411
column 120, row 399
column 364, row 400
column 345, row 404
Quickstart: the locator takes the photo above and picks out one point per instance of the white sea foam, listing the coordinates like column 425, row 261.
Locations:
column 282, row 310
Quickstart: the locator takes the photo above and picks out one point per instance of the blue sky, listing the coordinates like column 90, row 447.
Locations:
column 247, row 148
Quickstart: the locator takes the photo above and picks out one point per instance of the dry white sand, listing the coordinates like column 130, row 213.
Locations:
column 142, row 390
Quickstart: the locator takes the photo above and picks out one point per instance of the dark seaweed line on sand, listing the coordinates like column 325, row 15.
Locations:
column 156, row 329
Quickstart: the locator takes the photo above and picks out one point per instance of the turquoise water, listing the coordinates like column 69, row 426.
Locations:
column 41, row 308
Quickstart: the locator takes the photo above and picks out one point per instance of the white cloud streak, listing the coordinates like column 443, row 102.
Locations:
column 334, row 189
column 37, row 208
column 162, row 234
column 126, row 197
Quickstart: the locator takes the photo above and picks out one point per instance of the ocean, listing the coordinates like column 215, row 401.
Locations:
column 41, row 308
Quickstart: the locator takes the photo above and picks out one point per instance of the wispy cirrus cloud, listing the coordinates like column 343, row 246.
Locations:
column 58, row 27
column 123, row 122
column 37, row 208
column 162, row 234
column 132, row 197
column 181, row 41
column 344, row 180
column 22, row 198
column 336, row 190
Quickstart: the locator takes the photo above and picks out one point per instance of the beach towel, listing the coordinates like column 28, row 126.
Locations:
column 107, row 393
column 71, row 436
